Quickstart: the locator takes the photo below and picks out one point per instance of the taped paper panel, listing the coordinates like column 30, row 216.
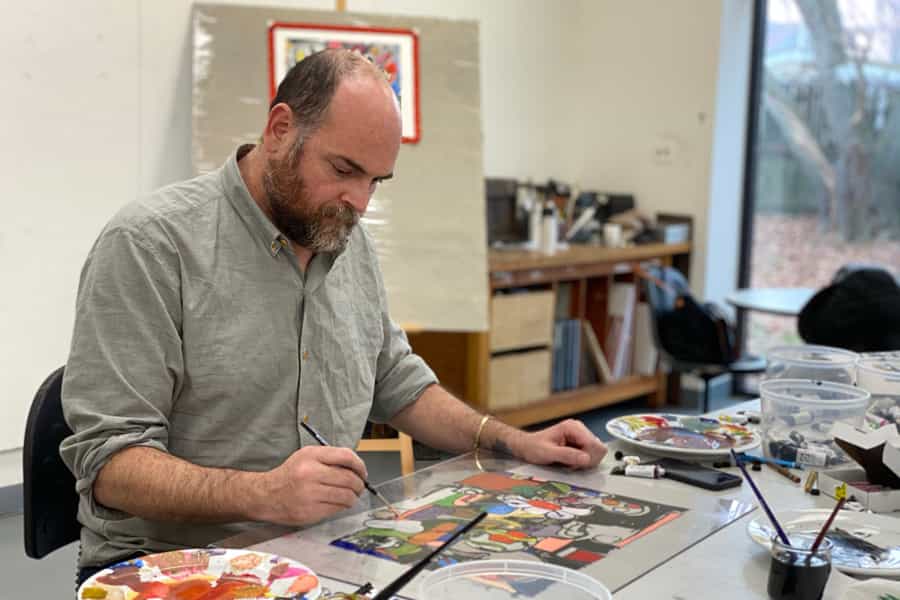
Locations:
column 429, row 222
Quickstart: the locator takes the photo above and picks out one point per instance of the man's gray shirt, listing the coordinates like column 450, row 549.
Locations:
column 197, row 333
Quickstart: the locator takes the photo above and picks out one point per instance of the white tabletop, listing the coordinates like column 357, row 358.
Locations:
column 729, row 559
column 778, row 301
column 685, row 560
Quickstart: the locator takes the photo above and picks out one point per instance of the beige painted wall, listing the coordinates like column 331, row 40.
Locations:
column 649, row 83
column 96, row 110
column 589, row 90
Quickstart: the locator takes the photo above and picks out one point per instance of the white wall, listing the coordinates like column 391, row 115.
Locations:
column 727, row 171
column 96, row 109
column 649, row 83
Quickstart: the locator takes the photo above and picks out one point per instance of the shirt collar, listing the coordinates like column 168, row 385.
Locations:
column 237, row 193
column 256, row 220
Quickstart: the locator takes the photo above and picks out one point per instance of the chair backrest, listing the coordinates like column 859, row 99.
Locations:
column 687, row 334
column 662, row 300
column 51, row 502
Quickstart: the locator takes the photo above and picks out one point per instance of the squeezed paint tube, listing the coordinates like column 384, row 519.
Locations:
column 645, row 471
column 812, row 456
column 736, row 419
column 752, row 416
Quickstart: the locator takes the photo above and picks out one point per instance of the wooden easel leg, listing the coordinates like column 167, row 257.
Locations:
column 407, row 458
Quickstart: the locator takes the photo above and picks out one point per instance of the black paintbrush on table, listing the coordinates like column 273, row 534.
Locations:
column 394, row 586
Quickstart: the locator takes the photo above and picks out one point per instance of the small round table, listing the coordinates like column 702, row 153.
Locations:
column 777, row 301
column 786, row 302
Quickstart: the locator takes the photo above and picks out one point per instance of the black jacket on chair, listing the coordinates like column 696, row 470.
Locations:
column 859, row 311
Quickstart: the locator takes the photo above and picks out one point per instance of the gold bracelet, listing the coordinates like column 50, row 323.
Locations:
column 481, row 425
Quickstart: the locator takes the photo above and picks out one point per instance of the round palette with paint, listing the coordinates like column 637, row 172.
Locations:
column 213, row 573
column 862, row 543
column 683, row 434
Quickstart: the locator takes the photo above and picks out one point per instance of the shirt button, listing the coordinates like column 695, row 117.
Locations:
column 306, row 355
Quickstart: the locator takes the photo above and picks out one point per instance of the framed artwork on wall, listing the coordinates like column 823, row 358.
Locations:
column 394, row 51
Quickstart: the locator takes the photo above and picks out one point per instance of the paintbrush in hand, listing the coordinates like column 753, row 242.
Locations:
column 394, row 586
column 318, row 437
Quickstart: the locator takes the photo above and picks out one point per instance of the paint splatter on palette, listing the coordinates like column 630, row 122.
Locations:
column 210, row 574
column 684, row 434
column 557, row 522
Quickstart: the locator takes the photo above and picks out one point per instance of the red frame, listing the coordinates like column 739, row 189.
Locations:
column 415, row 59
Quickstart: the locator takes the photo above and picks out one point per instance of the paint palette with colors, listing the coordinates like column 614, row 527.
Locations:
column 862, row 543
column 211, row 574
column 683, row 434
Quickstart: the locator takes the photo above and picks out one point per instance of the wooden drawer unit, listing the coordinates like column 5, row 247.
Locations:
column 521, row 320
column 518, row 379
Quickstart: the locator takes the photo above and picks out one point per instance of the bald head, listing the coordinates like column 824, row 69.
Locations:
column 333, row 134
column 310, row 87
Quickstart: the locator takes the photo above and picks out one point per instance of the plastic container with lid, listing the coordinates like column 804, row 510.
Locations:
column 820, row 363
column 880, row 376
column 502, row 579
column 798, row 415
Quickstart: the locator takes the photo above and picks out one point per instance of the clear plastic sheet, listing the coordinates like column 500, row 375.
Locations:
column 706, row 513
column 429, row 222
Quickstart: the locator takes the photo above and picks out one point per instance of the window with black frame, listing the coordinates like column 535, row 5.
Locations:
column 822, row 184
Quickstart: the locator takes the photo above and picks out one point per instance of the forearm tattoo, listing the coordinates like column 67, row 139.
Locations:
column 501, row 447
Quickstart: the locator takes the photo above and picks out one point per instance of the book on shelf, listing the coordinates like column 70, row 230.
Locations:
column 604, row 375
column 557, row 357
column 566, row 355
column 574, row 353
column 588, row 373
column 646, row 356
column 619, row 340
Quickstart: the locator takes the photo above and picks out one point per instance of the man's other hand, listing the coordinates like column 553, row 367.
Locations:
column 569, row 443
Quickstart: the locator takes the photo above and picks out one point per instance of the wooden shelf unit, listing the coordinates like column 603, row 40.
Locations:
column 462, row 360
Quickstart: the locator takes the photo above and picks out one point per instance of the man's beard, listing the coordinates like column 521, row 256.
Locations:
column 326, row 228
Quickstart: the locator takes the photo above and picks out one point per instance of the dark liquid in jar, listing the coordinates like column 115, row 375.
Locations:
column 797, row 580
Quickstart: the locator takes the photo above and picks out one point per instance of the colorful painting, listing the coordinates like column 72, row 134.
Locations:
column 394, row 51
column 683, row 434
column 211, row 574
column 557, row 522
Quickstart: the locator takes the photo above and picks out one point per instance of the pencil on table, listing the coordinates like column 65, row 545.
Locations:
column 785, row 472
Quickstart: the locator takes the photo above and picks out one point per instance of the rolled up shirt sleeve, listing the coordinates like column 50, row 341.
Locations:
column 125, row 364
column 401, row 375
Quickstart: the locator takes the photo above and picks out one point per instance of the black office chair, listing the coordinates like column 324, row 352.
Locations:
column 664, row 287
column 51, row 502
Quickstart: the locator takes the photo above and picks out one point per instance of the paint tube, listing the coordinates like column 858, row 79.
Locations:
column 812, row 456
column 800, row 418
column 752, row 416
column 645, row 471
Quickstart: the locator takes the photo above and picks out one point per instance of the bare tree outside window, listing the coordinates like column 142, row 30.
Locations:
column 827, row 188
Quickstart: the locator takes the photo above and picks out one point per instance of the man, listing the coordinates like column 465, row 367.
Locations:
column 215, row 315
